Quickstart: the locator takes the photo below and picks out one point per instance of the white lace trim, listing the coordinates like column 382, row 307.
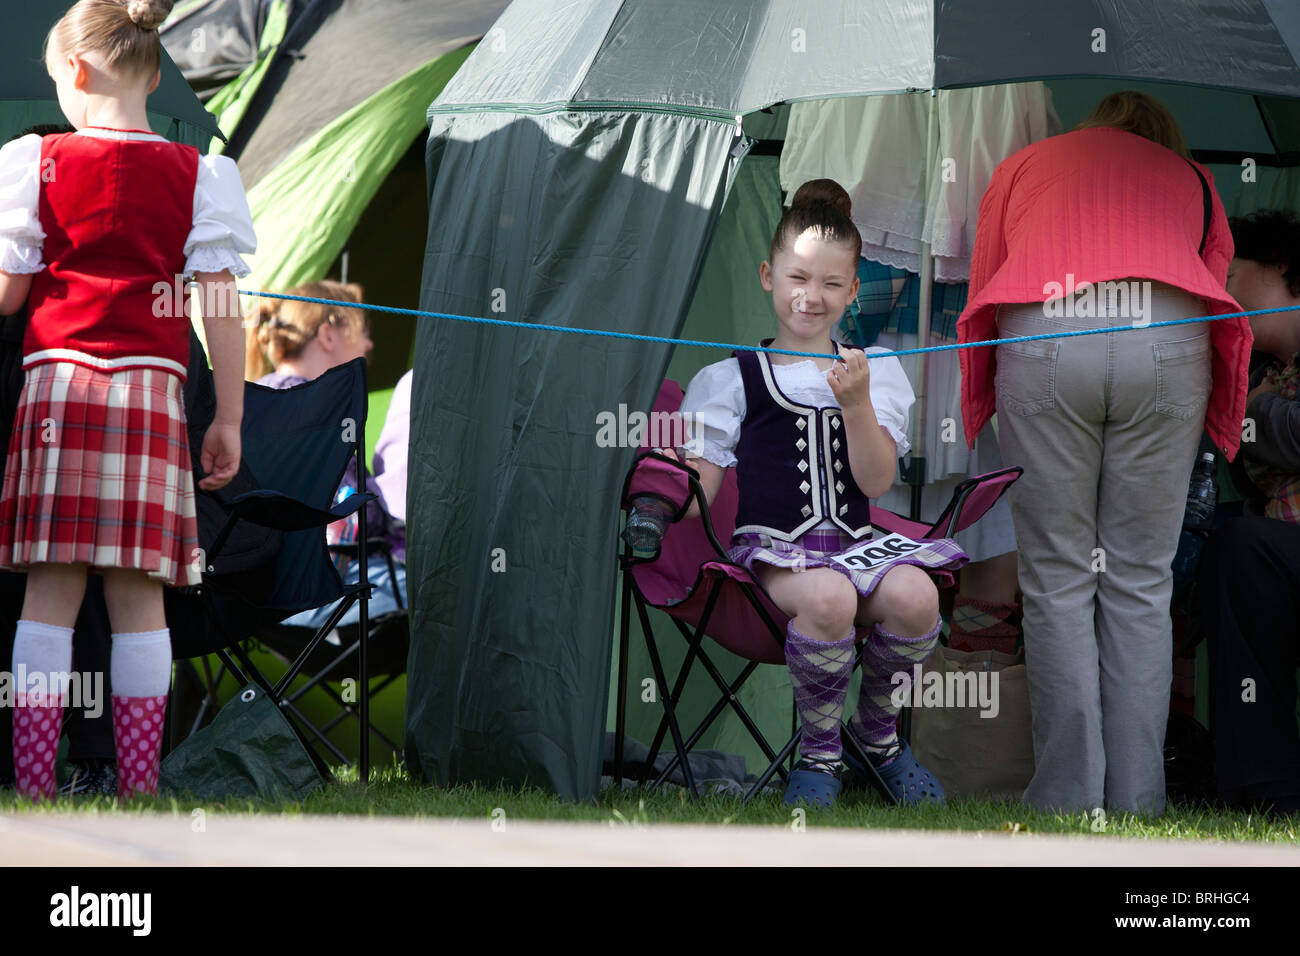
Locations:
column 946, row 269
column 216, row 257
column 951, row 269
column 20, row 258
column 904, row 222
column 891, row 257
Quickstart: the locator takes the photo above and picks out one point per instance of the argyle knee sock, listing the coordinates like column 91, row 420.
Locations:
column 141, row 675
column 819, row 672
column 983, row 626
column 874, row 724
column 42, row 659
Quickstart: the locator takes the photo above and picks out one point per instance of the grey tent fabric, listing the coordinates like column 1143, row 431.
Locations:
column 510, row 563
column 735, row 56
column 344, row 52
column 213, row 41
column 1249, row 45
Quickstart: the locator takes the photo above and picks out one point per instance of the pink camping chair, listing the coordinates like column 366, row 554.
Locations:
column 705, row 594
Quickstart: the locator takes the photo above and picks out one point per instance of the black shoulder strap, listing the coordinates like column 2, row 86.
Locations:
column 1205, row 202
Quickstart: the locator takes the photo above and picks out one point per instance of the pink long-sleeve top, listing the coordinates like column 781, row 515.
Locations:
column 1101, row 204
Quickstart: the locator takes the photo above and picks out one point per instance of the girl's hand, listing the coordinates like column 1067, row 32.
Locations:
column 710, row 477
column 850, row 380
column 220, row 455
column 672, row 453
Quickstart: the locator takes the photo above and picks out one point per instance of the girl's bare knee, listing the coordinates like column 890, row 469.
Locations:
column 832, row 604
column 135, row 600
column 909, row 600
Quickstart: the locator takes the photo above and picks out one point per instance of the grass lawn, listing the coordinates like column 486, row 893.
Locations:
column 392, row 793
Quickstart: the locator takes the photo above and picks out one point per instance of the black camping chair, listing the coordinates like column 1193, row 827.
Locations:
column 296, row 442
column 387, row 642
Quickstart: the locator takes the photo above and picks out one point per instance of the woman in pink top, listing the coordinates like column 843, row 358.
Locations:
column 1110, row 225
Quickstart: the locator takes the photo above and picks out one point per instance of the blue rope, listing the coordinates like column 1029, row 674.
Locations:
column 635, row 337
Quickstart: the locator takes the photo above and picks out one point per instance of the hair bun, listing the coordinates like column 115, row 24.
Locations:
column 826, row 191
column 148, row 14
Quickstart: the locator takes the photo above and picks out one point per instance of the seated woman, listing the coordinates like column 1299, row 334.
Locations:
column 1250, row 572
column 303, row 340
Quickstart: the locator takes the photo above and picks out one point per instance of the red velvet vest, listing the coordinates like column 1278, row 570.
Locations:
column 116, row 214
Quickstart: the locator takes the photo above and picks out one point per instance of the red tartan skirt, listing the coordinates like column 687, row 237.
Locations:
column 99, row 472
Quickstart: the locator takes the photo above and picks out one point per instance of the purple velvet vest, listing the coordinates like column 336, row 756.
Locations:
column 792, row 462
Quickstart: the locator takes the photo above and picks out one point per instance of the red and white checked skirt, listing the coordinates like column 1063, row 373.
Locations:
column 99, row 472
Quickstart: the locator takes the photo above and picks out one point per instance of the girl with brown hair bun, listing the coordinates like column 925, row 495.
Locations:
column 812, row 440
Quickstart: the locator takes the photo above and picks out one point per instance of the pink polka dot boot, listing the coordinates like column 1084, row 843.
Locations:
column 137, row 732
column 37, row 725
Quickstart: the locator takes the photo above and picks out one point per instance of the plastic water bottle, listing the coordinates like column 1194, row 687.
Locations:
column 646, row 523
column 1202, row 496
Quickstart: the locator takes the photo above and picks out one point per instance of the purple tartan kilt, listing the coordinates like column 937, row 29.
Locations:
column 939, row 556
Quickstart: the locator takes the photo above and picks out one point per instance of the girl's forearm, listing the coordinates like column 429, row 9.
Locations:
column 871, row 451
column 13, row 292
column 711, row 477
column 224, row 328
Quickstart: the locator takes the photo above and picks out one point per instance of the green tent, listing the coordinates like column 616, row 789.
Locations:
column 596, row 167
column 323, row 106
column 27, row 93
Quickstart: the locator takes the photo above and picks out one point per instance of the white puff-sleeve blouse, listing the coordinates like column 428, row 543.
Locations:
column 222, row 229
column 21, row 235
column 715, row 402
column 223, row 225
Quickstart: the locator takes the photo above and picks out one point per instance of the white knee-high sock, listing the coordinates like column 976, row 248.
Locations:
column 45, row 650
column 141, row 665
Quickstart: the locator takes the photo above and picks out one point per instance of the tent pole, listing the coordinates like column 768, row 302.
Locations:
column 917, row 471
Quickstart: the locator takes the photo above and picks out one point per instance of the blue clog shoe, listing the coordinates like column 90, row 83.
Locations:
column 904, row 776
column 812, row 784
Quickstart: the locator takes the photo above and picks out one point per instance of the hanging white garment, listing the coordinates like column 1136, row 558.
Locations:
column 874, row 146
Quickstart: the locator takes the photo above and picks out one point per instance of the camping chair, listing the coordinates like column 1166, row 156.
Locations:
column 297, row 442
column 705, row 594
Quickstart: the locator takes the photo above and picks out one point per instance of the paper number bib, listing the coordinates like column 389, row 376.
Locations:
column 870, row 554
